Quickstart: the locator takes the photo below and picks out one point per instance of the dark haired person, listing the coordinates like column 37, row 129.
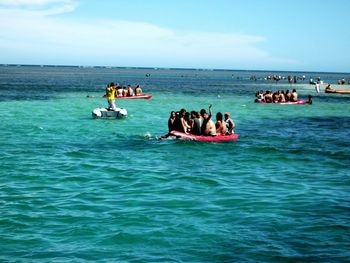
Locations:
column 196, row 123
column 138, row 90
column 110, row 95
column 171, row 121
column 130, row 91
column 208, row 126
column 294, row 97
column 220, row 125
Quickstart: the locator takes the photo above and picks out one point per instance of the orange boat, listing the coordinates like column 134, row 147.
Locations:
column 337, row 91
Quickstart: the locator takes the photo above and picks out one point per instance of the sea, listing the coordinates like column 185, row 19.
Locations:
column 78, row 189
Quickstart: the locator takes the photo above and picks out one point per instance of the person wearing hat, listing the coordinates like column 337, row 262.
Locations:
column 229, row 123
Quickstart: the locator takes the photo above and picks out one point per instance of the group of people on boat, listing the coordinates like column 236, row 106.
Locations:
column 115, row 90
column 279, row 96
column 329, row 89
column 200, row 123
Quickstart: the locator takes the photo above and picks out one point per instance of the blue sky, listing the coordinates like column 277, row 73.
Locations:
column 238, row 34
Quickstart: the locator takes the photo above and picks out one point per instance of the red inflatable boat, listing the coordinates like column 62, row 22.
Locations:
column 299, row 102
column 143, row 96
column 217, row 138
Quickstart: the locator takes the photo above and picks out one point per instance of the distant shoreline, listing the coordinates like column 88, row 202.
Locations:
column 167, row 68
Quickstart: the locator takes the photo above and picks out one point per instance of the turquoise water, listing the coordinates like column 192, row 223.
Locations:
column 77, row 189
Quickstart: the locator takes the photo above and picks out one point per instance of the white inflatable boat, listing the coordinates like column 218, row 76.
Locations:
column 105, row 113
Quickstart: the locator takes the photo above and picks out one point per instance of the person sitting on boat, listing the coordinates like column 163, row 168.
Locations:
column 110, row 95
column 138, row 90
column 329, row 89
column 287, row 95
column 268, row 97
column 119, row 91
column 208, row 126
column 294, row 96
column 230, row 125
column 282, row 97
column 125, row 91
column 275, row 97
column 130, row 91
column 171, row 121
column 188, row 122
column 184, row 124
column 177, row 122
column 220, row 125
column 259, row 96
column 196, row 123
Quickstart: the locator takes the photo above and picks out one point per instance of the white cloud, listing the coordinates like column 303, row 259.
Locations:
column 25, row 8
column 38, row 36
column 31, row 2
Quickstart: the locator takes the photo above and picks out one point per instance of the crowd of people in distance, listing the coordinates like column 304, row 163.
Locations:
column 342, row 81
column 291, row 79
column 200, row 123
column 115, row 90
column 279, row 96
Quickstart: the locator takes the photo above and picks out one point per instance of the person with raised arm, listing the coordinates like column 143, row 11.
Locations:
column 208, row 126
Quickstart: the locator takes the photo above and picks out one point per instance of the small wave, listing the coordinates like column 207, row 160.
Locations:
column 147, row 135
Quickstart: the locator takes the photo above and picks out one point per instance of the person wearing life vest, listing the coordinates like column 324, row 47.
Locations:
column 110, row 95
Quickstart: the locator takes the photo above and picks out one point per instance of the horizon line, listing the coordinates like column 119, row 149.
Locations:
column 164, row 68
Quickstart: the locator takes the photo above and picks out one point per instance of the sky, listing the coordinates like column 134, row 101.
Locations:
column 296, row 35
